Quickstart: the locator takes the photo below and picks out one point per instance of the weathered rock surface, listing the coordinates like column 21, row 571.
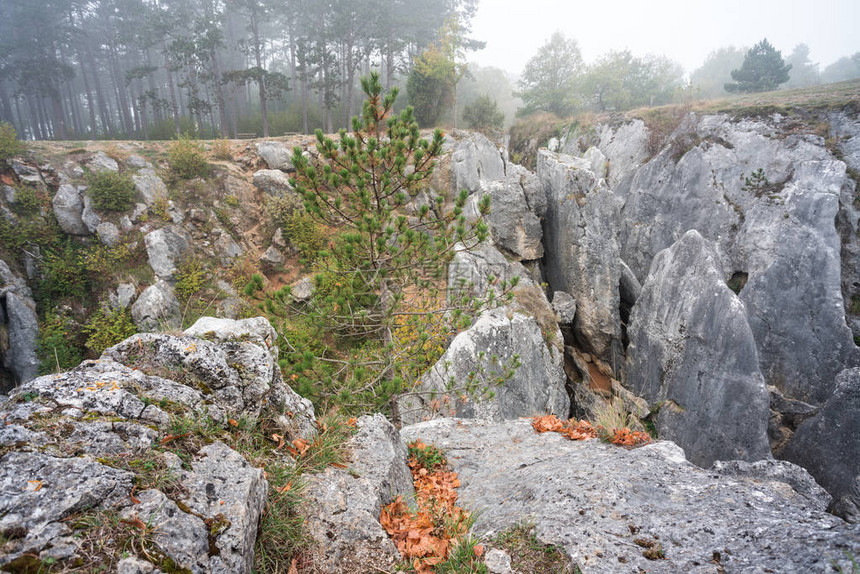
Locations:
column 475, row 158
column 692, row 355
column 22, row 331
column 275, row 154
column 164, row 248
column 272, row 257
column 273, row 181
column 513, row 225
column 342, row 506
column 780, row 232
column 149, row 186
column 102, row 162
column 68, row 208
column 205, row 518
column 564, row 306
column 595, row 500
column 580, row 236
column 156, row 307
column 828, row 446
column 506, row 366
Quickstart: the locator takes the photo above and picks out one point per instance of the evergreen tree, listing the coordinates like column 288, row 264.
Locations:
column 803, row 72
column 484, row 113
column 763, row 70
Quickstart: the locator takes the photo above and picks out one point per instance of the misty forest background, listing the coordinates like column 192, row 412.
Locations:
column 152, row 69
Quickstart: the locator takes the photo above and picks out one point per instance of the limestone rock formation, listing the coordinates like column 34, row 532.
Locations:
column 68, row 208
column 276, row 155
column 156, row 307
column 22, row 332
column 273, row 181
column 475, row 158
column 582, row 252
column 828, row 446
column 149, row 185
column 69, row 441
column 164, row 248
column 693, row 356
column 596, row 500
column 342, row 506
column 502, row 365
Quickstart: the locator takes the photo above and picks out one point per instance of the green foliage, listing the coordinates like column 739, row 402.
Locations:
column 190, row 277
column 303, row 231
column 110, row 190
column 27, row 200
column 549, row 80
column 484, row 114
column 9, row 144
column 101, row 261
column 64, row 271
column 621, row 81
column 462, row 559
column 107, row 327
column 763, row 70
column 427, row 455
column 187, row 158
column 709, row 80
column 254, row 285
column 59, row 345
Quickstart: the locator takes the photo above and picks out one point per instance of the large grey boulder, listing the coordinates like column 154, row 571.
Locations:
column 157, row 307
column 500, row 368
column 828, row 446
column 475, row 271
column 102, row 162
column 342, row 506
column 582, row 252
column 40, row 490
column 475, row 158
column 164, row 247
column 236, row 367
column 693, row 356
column 70, row 439
column 273, row 181
column 68, row 208
column 276, row 155
column 23, row 333
column 149, row 185
column 595, row 501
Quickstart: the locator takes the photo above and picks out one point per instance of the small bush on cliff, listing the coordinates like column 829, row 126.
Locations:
column 187, row 158
column 483, row 114
column 9, row 144
column 110, row 190
column 107, row 327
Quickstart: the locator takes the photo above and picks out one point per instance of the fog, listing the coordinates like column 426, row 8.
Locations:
column 684, row 30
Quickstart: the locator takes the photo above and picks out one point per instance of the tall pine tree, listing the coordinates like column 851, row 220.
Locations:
column 763, row 70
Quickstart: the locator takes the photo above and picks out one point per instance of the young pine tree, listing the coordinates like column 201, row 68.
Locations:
column 380, row 303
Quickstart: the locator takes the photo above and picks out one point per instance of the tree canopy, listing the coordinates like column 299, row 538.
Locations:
column 763, row 70
column 549, row 81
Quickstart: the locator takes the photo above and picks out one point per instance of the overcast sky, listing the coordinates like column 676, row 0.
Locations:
column 684, row 30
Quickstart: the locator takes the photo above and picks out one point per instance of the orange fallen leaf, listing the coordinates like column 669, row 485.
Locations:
column 285, row 488
column 293, row 569
column 351, row 422
column 134, row 499
column 301, row 445
column 278, row 438
column 171, row 437
column 478, row 550
column 232, row 422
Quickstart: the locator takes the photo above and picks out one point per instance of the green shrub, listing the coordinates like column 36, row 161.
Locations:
column 110, row 190
column 107, row 327
column 187, row 158
column 26, row 200
column 221, row 149
column 58, row 346
column 306, row 235
column 484, row 113
column 9, row 144
column 190, row 278
column 64, row 272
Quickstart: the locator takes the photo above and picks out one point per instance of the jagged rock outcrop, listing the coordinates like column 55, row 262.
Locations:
column 828, row 446
column 164, row 248
column 582, row 252
column 514, row 224
column 692, row 356
column 157, row 307
column 149, row 185
column 701, row 520
column 71, row 441
column 100, row 161
column 68, row 208
column 778, row 229
column 475, row 158
column 342, row 506
column 19, row 330
column 503, row 367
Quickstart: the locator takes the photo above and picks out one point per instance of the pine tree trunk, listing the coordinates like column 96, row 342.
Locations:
column 173, row 105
